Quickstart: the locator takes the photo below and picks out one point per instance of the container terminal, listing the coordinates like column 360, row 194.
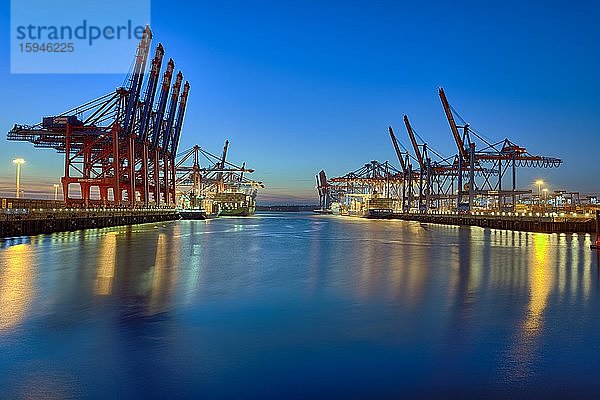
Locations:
column 220, row 188
column 121, row 160
column 475, row 186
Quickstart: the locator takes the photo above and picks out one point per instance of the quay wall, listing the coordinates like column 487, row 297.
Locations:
column 25, row 218
column 531, row 224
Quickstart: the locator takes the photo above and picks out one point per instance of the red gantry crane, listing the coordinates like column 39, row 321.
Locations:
column 119, row 148
column 479, row 161
column 407, row 173
column 489, row 164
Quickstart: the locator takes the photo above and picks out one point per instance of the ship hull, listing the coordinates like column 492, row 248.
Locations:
column 323, row 212
column 196, row 214
column 238, row 212
column 234, row 204
column 379, row 213
column 373, row 213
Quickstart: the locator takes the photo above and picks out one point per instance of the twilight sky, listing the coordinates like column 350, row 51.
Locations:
column 300, row 86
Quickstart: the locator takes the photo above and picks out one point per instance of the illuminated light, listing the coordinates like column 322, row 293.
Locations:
column 18, row 162
column 530, row 214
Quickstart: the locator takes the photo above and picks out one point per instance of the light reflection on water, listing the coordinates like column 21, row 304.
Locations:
column 17, row 285
column 244, row 307
column 107, row 260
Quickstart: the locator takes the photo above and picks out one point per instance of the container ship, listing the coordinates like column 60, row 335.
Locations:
column 196, row 207
column 235, row 204
column 365, row 206
column 217, row 189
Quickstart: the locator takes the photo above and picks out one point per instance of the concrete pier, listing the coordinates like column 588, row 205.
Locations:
column 33, row 217
column 515, row 223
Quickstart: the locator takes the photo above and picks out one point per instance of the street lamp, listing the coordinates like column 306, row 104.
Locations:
column 18, row 161
column 539, row 184
column 56, row 186
column 545, row 190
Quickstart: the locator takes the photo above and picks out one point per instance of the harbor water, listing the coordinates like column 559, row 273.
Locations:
column 296, row 305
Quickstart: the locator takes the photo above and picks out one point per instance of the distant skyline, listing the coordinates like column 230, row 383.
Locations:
column 297, row 87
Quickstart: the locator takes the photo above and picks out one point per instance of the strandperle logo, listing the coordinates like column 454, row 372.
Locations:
column 74, row 36
column 84, row 31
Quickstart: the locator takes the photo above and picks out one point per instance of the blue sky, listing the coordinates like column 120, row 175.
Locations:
column 300, row 86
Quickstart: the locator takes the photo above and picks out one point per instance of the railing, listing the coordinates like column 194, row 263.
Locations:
column 33, row 209
column 581, row 216
column 12, row 204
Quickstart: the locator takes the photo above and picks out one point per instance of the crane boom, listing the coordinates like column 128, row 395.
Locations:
column 166, row 138
column 151, row 92
column 137, row 79
column 323, row 180
column 411, row 135
column 222, row 162
column 224, row 156
column 162, row 103
column 453, row 127
column 323, row 190
column 180, row 114
column 242, row 171
column 397, row 148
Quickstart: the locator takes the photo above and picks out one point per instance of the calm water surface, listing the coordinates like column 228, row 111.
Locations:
column 298, row 306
